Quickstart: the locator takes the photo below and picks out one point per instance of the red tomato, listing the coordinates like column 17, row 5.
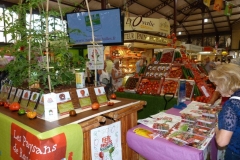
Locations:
column 6, row 104
column 1, row 103
column 14, row 106
column 113, row 96
column 95, row 106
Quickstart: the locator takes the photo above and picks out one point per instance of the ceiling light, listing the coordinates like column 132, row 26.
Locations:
column 205, row 20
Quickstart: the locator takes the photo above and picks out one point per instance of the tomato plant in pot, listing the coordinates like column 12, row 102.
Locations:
column 40, row 56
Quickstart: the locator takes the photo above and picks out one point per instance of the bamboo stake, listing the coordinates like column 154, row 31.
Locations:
column 93, row 42
column 29, row 48
column 47, row 50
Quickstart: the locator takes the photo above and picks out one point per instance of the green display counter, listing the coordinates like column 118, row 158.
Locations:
column 154, row 104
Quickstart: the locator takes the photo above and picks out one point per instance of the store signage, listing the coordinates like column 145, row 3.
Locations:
column 96, row 50
column 146, row 38
column 26, row 146
column 147, row 24
column 164, row 26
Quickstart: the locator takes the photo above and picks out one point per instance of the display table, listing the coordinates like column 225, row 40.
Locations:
column 154, row 103
column 160, row 148
column 65, row 138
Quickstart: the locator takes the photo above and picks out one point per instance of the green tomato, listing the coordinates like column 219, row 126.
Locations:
column 21, row 111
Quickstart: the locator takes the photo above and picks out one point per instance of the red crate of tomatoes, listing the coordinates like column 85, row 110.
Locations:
column 150, row 86
column 175, row 72
column 167, row 56
column 170, row 85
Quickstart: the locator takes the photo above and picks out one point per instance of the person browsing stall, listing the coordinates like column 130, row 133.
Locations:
column 227, row 80
column 104, row 78
column 140, row 64
column 117, row 75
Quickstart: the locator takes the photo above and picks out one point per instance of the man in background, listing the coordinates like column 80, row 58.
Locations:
column 140, row 63
column 109, row 64
column 210, row 65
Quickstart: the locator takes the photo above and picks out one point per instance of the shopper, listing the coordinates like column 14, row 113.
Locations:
column 117, row 75
column 227, row 80
column 141, row 63
column 109, row 64
column 209, row 65
column 104, row 77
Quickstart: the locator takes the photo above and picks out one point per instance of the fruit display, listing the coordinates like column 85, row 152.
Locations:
column 149, row 86
column 169, row 86
column 157, row 70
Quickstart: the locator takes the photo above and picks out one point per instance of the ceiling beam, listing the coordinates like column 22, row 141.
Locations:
column 205, row 28
column 64, row 3
column 80, row 6
column 157, row 8
column 179, row 11
column 185, row 9
column 198, row 25
column 128, row 4
column 205, row 35
column 237, row 13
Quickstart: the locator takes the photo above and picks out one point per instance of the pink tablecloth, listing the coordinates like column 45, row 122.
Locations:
column 161, row 149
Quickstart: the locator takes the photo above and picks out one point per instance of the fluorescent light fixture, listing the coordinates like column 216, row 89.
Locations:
column 204, row 52
column 205, row 20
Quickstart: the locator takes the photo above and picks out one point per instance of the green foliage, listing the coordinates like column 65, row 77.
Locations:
column 30, row 46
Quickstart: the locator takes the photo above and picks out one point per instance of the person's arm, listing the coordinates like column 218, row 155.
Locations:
column 227, row 122
column 223, row 137
column 216, row 95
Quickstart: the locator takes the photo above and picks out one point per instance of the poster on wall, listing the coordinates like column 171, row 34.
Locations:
column 106, row 142
column 98, row 51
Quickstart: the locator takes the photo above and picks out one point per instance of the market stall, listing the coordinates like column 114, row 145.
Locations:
column 64, row 137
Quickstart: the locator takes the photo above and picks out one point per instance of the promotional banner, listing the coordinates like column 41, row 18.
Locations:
column 228, row 9
column 106, row 142
column 206, row 2
column 218, row 5
column 98, row 51
column 21, row 142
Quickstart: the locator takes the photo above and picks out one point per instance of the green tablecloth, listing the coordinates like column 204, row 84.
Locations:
column 154, row 105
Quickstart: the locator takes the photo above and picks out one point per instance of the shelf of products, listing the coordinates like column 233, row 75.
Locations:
column 163, row 78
